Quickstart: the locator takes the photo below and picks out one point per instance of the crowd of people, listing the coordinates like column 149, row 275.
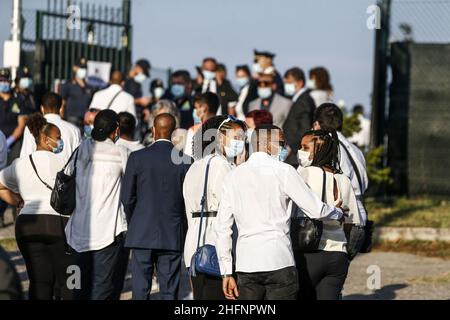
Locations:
column 195, row 168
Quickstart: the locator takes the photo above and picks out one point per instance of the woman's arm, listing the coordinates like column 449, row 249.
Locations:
column 10, row 197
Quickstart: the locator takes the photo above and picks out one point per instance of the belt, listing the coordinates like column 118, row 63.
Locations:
column 206, row 214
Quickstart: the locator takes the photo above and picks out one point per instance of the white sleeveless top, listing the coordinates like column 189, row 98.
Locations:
column 333, row 236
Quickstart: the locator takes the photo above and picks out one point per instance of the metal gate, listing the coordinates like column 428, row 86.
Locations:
column 69, row 30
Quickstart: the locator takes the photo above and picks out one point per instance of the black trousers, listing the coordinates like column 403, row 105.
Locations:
column 99, row 272
column 322, row 274
column 205, row 287
column 273, row 285
column 46, row 261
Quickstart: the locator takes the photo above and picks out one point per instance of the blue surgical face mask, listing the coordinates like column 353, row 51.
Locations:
column 5, row 87
column 209, row 75
column 235, row 148
column 81, row 73
column 242, row 82
column 264, row 93
column 25, row 83
column 257, row 68
column 140, row 78
column 177, row 90
column 289, row 89
column 196, row 118
column 59, row 146
column 283, row 154
column 87, row 131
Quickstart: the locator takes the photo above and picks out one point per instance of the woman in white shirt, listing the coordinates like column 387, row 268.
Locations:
column 39, row 229
column 322, row 273
column 230, row 134
column 319, row 83
column 96, row 228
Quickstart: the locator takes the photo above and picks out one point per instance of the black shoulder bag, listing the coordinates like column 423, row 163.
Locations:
column 63, row 198
column 306, row 232
column 359, row 238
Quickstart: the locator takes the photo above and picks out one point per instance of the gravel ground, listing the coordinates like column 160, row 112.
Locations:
column 403, row 276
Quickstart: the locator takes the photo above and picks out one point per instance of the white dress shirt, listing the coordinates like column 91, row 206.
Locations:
column 348, row 170
column 99, row 215
column 240, row 103
column 256, row 195
column 209, row 86
column 362, row 138
column 3, row 151
column 21, row 178
column 333, row 236
column 70, row 134
column 298, row 94
column 124, row 102
column 192, row 193
column 130, row 145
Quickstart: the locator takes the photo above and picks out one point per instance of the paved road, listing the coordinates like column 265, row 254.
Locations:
column 402, row 276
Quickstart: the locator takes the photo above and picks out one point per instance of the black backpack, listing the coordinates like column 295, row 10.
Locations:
column 64, row 192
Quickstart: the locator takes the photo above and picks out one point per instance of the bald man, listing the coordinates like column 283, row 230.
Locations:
column 114, row 97
column 152, row 196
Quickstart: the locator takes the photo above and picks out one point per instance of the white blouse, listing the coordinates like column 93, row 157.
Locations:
column 333, row 236
column 193, row 191
column 20, row 178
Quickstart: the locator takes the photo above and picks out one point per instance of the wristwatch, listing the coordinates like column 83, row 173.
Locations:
column 226, row 276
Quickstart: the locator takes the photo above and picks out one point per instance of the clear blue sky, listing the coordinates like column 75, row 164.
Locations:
column 304, row 33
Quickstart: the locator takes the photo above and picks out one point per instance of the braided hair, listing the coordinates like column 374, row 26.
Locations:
column 205, row 139
column 37, row 124
column 326, row 146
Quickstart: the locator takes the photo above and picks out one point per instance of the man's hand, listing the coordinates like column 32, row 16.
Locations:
column 229, row 288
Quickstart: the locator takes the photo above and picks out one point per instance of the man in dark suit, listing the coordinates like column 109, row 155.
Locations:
column 152, row 196
column 228, row 97
column 300, row 117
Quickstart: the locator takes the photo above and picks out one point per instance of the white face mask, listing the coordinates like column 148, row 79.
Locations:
column 81, row 73
column 158, row 92
column 289, row 89
column 140, row 78
column 236, row 148
column 303, row 158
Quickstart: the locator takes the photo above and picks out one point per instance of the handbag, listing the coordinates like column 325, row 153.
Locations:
column 306, row 232
column 361, row 243
column 205, row 258
column 63, row 199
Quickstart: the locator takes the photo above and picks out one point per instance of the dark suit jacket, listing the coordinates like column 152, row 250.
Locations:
column 226, row 95
column 297, row 123
column 152, row 195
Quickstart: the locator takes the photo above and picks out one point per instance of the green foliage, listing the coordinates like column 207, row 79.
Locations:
column 377, row 174
column 350, row 125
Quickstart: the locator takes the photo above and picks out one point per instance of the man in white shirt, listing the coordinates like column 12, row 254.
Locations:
column 361, row 138
column 70, row 134
column 255, row 196
column 127, row 125
column 114, row 97
column 96, row 227
column 351, row 159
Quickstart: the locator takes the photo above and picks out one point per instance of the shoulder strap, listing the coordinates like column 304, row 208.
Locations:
column 324, row 182
column 35, row 170
column 355, row 167
column 114, row 98
column 203, row 200
column 75, row 153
